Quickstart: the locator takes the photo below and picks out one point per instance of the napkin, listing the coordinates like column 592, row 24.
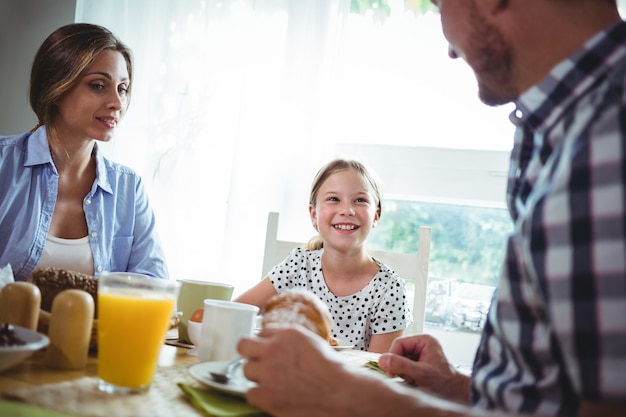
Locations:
column 20, row 409
column 216, row 404
column 6, row 275
column 375, row 366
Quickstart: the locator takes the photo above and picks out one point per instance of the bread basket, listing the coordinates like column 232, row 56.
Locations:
column 51, row 281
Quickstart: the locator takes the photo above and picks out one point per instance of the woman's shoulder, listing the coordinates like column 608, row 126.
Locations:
column 116, row 167
column 115, row 172
column 14, row 139
column 21, row 141
column 26, row 149
column 12, row 147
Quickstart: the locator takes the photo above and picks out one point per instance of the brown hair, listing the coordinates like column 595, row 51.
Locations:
column 339, row 165
column 61, row 61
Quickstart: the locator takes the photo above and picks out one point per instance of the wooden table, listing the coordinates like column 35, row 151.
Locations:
column 33, row 375
column 33, row 372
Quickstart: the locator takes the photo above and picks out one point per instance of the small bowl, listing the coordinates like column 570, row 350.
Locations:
column 11, row 356
column 193, row 330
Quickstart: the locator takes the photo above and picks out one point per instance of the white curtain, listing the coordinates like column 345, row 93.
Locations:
column 237, row 103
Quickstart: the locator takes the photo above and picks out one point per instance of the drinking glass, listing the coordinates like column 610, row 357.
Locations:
column 134, row 313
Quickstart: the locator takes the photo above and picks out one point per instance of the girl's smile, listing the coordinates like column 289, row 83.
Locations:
column 345, row 210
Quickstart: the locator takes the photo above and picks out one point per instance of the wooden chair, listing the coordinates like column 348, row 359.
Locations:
column 412, row 267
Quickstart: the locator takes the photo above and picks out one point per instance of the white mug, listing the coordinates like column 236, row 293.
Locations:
column 223, row 324
column 191, row 297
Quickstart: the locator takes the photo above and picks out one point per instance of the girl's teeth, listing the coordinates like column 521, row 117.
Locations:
column 345, row 227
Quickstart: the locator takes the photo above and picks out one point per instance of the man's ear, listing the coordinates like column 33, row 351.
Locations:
column 492, row 7
column 500, row 5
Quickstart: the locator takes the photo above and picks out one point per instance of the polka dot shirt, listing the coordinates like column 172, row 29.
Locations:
column 380, row 307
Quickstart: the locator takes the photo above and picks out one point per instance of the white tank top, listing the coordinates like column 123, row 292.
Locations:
column 72, row 254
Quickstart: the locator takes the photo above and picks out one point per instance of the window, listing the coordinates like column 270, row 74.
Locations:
column 460, row 194
column 465, row 259
column 468, row 241
column 237, row 103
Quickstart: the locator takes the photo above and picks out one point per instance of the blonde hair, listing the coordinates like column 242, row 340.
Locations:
column 329, row 169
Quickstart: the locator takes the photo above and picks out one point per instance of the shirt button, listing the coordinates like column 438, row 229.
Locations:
column 87, row 202
column 94, row 234
column 99, row 269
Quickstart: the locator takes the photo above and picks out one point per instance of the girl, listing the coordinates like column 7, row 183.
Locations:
column 366, row 298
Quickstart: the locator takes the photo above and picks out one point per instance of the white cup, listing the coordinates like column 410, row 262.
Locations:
column 223, row 324
column 191, row 297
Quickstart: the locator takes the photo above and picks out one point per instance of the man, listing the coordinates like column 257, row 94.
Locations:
column 555, row 339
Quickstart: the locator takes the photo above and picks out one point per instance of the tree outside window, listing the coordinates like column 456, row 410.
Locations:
column 465, row 259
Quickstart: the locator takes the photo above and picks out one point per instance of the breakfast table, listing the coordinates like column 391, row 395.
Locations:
column 74, row 393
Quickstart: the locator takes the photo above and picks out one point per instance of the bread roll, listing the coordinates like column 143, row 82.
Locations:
column 303, row 308
column 52, row 281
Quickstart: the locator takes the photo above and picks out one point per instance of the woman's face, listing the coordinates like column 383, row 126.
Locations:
column 345, row 210
column 95, row 106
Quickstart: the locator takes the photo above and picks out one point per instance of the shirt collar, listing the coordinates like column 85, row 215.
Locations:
column 38, row 153
column 544, row 103
column 37, row 149
column 102, row 173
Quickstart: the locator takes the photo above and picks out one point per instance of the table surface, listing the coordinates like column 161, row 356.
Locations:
column 33, row 374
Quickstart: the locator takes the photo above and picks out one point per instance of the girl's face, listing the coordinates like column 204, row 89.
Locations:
column 345, row 210
column 96, row 105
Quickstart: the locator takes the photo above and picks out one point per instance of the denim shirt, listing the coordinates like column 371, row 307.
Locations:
column 120, row 220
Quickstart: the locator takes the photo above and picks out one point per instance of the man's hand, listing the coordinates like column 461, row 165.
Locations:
column 420, row 361
column 297, row 373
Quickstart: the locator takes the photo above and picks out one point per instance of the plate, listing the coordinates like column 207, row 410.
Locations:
column 343, row 344
column 10, row 356
column 238, row 384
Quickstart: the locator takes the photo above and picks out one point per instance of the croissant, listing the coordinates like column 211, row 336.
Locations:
column 300, row 307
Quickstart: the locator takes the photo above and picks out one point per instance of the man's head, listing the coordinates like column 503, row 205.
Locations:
column 512, row 44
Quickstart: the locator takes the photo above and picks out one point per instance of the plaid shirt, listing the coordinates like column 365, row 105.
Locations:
column 556, row 331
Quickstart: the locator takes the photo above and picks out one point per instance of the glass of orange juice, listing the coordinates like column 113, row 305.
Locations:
column 134, row 313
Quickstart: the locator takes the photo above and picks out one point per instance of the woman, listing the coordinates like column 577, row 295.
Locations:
column 63, row 203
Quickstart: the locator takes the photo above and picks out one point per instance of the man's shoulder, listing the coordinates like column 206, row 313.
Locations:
column 617, row 73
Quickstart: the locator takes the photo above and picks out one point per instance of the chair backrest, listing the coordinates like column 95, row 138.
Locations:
column 413, row 267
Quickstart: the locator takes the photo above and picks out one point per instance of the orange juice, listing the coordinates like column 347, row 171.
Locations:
column 131, row 329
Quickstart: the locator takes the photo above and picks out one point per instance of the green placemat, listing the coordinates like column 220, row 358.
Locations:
column 20, row 409
column 216, row 404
